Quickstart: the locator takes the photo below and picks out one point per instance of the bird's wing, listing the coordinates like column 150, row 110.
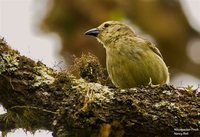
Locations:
column 155, row 49
column 149, row 44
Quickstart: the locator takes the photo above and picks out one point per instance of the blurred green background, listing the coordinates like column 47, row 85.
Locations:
column 161, row 21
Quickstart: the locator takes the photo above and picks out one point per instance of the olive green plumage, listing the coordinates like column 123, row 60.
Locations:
column 131, row 61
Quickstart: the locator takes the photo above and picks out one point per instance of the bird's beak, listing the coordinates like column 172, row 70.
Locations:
column 93, row 32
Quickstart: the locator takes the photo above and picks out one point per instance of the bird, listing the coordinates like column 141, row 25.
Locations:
column 131, row 61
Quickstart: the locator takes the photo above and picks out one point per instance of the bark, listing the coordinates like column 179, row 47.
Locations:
column 37, row 97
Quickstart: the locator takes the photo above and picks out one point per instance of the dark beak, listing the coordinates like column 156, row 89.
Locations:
column 93, row 32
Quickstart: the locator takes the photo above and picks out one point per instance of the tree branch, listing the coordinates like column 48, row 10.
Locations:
column 37, row 97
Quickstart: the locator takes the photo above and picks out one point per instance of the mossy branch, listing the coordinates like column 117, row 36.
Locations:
column 37, row 97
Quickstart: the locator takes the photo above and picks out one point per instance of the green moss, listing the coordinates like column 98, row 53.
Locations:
column 162, row 104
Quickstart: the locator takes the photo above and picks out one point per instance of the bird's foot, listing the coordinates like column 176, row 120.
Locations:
column 152, row 85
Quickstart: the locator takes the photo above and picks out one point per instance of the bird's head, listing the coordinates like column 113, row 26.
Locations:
column 110, row 31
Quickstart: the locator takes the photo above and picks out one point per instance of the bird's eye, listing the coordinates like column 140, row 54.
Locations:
column 106, row 25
